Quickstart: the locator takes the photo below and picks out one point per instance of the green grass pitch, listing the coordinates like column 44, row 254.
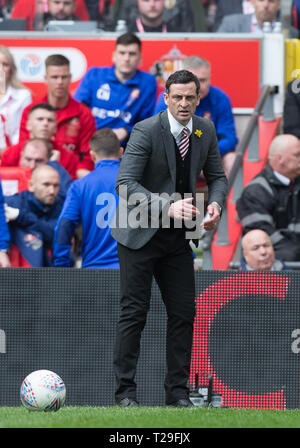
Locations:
column 148, row 417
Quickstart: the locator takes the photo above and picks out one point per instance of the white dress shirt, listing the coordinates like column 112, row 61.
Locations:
column 176, row 127
column 283, row 179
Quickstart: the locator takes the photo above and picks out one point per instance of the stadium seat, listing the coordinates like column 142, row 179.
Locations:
column 14, row 179
column 16, row 259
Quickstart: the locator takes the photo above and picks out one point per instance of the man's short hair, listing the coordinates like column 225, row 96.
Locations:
column 57, row 60
column 182, row 77
column 195, row 62
column 46, row 142
column 44, row 106
column 128, row 39
column 105, row 143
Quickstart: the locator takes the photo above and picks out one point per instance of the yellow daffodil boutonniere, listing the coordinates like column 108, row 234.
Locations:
column 198, row 132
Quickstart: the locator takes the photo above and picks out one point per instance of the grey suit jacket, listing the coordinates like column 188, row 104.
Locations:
column 148, row 169
column 241, row 23
column 225, row 8
column 236, row 23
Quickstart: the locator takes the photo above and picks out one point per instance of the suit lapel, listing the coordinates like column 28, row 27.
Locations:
column 168, row 143
column 196, row 151
column 196, row 143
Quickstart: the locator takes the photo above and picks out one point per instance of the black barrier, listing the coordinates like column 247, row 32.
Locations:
column 246, row 335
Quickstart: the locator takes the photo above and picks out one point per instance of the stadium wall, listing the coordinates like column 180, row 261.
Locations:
column 246, row 335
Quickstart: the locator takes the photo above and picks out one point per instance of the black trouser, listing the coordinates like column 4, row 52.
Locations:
column 168, row 257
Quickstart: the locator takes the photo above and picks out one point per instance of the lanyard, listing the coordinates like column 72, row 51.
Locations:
column 140, row 27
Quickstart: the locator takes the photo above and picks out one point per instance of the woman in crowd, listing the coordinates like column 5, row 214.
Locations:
column 13, row 98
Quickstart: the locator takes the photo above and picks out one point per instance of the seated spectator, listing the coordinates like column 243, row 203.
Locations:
column 214, row 105
column 6, row 8
column 38, row 152
column 32, row 216
column 291, row 109
column 4, row 235
column 157, row 16
column 92, row 201
column 264, row 11
column 295, row 16
column 101, row 11
column 227, row 7
column 258, row 253
column 41, row 124
column 121, row 95
column 34, row 10
column 271, row 201
column 14, row 97
column 75, row 122
column 210, row 10
column 57, row 10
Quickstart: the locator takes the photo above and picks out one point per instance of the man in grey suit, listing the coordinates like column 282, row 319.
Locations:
column 156, row 181
column 264, row 11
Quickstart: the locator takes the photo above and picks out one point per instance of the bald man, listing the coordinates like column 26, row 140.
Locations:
column 38, row 151
column 258, row 253
column 32, row 216
column 271, row 201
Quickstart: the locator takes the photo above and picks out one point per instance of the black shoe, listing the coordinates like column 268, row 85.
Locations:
column 127, row 402
column 182, row 403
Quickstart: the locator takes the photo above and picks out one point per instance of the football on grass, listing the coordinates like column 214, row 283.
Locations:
column 43, row 390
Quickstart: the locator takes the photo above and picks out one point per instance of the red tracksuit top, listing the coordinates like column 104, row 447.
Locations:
column 75, row 127
column 11, row 157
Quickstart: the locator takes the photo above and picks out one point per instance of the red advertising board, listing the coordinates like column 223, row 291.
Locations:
column 235, row 63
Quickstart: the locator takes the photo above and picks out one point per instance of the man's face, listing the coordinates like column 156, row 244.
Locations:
column 58, row 79
column 290, row 160
column 45, row 187
column 182, row 101
column 258, row 250
column 126, row 59
column 266, row 10
column 203, row 74
column 33, row 155
column 42, row 124
column 61, row 9
column 151, row 10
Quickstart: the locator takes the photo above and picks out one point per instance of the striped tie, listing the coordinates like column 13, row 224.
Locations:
column 184, row 142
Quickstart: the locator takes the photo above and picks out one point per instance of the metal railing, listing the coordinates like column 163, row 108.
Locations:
column 248, row 141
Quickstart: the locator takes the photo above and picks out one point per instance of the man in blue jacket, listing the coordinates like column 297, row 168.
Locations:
column 214, row 105
column 4, row 235
column 92, row 201
column 32, row 216
column 121, row 95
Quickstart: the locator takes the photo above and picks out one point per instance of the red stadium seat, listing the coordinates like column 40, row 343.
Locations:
column 16, row 259
column 14, row 179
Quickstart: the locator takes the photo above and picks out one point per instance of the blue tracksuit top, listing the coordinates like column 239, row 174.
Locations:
column 93, row 201
column 35, row 216
column 4, row 232
column 218, row 105
column 115, row 104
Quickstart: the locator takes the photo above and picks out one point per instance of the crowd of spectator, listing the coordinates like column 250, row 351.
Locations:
column 152, row 15
column 73, row 144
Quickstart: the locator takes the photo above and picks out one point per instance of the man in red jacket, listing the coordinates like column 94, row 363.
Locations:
column 29, row 9
column 41, row 124
column 75, row 122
